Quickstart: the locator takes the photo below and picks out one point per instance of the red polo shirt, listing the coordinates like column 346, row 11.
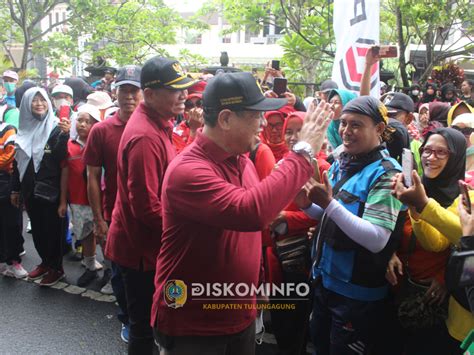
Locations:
column 214, row 207
column 101, row 150
column 144, row 154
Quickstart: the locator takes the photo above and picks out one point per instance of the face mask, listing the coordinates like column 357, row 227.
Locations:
column 60, row 102
column 10, row 87
column 415, row 92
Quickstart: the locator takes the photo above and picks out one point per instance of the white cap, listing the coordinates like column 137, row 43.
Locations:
column 62, row 89
column 91, row 110
column 100, row 99
column 466, row 119
column 10, row 74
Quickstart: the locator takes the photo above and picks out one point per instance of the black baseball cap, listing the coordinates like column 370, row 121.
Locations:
column 159, row 72
column 328, row 85
column 237, row 92
column 129, row 74
column 397, row 101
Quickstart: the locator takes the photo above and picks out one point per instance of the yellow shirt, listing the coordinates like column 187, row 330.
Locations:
column 436, row 229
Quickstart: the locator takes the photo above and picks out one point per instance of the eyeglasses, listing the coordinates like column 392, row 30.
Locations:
column 466, row 130
column 188, row 104
column 272, row 126
column 439, row 153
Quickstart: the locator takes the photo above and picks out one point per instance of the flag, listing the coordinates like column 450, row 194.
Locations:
column 356, row 28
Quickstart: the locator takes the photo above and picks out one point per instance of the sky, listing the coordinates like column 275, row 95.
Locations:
column 185, row 5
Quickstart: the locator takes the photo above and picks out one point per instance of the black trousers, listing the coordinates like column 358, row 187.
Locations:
column 139, row 289
column 48, row 231
column 290, row 327
column 242, row 343
column 11, row 227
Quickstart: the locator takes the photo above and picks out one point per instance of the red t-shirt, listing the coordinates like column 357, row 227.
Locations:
column 214, row 207
column 101, row 150
column 76, row 183
column 144, row 153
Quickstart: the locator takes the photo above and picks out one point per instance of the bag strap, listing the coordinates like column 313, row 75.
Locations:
column 253, row 153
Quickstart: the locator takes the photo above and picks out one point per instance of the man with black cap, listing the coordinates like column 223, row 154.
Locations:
column 101, row 155
column 144, row 153
column 325, row 88
column 214, row 209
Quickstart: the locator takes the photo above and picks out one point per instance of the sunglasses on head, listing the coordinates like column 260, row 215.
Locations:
column 188, row 104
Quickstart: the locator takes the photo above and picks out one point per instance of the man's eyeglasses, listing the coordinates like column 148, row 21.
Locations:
column 466, row 130
column 439, row 153
column 189, row 104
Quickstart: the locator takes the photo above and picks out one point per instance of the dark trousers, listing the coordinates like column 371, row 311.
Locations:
column 233, row 344
column 11, row 227
column 48, row 231
column 341, row 325
column 119, row 293
column 290, row 327
column 139, row 289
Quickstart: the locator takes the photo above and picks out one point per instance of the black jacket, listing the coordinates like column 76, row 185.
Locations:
column 49, row 172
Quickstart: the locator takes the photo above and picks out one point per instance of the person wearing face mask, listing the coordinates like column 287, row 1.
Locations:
column 414, row 93
column 62, row 95
column 10, row 79
column 41, row 145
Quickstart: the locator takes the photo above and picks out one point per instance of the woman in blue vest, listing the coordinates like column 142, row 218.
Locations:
column 358, row 233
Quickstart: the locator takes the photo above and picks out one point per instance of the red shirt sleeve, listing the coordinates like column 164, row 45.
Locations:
column 233, row 207
column 145, row 172
column 93, row 151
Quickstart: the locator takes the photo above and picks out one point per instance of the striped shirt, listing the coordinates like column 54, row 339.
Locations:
column 382, row 207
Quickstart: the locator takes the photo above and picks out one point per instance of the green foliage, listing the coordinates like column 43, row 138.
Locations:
column 192, row 61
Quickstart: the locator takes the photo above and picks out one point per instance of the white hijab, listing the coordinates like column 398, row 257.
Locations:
column 33, row 132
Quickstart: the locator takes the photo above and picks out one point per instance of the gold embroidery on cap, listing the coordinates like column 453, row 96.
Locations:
column 178, row 69
column 232, row 100
column 258, row 84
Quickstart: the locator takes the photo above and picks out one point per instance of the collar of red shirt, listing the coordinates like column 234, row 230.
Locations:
column 154, row 116
column 213, row 151
column 116, row 121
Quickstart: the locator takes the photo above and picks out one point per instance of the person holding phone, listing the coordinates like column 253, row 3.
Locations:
column 41, row 146
column 432, row 203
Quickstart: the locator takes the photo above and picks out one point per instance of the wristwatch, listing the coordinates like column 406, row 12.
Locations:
column 304, row 148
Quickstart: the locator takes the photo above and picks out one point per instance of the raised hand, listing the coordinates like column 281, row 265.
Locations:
column 414, row 196
column 315, row 125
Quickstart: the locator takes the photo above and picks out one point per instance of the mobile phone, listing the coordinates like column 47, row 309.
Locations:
column 407, row 166
column 279, row 86
column 64, row 112
column 385, row 51
column 276, row 64
column 466, row 200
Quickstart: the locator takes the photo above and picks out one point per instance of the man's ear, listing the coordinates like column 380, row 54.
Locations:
column 223, row 120
column 380, row 127
column 409, row 118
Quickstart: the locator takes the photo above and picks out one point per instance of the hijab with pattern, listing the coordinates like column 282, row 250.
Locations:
column 444, row 188
column 33, row 132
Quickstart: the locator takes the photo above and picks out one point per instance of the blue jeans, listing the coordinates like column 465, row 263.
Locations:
column 119, row 293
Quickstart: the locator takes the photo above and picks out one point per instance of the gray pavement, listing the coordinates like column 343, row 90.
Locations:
column 65, row 319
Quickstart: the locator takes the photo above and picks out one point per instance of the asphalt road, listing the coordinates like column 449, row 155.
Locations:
column 65, row 319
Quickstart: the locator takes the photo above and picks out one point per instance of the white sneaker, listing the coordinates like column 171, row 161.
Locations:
column 98, row 266
column 3, row 267
column 15, row 270
column 107, row 289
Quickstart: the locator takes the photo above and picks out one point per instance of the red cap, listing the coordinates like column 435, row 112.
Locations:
column 197, row 88
column 194, row 95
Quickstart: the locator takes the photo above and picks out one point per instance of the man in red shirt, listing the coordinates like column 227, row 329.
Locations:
column 101, row 154
column 144, row 153
column 214, row 207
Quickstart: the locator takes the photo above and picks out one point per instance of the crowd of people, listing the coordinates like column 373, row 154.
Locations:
column 217, row 181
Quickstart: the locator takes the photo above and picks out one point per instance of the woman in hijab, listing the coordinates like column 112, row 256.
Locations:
column 458, row 109
column 338, row 98
column 359, row 226
column 448, row 94
column 437, row 116
column 272, row 134
column 432, row 203
column 41, row 145
column 429, row 94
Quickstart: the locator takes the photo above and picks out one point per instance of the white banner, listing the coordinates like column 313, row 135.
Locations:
column 356, row 28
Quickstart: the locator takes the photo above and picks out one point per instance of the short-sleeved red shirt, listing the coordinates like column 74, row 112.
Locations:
column 101, row 150
column 76, row 183
column 144, row 153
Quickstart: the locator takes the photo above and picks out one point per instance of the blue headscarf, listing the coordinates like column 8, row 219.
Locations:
column 333, row 130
